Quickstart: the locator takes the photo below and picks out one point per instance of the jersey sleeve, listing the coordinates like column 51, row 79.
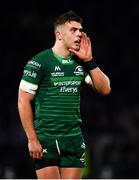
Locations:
column 32, row 74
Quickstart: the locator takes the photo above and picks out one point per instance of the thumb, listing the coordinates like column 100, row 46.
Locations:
column 72, row 50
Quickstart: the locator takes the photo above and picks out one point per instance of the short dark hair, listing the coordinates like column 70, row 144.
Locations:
column 66, row 17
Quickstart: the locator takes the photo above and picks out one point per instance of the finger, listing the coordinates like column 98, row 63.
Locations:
column 89, row 44
column 89, row 41
column 72, row 50
column 75, row 52
column 83, row 38
column 41, row 154
column 38, row 155
column 85, row 42
column 31, row 154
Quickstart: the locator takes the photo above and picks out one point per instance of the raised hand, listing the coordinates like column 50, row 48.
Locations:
column 85, row 51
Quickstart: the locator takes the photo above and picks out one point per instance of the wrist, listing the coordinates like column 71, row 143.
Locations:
column 90, row 64
column 89, row 59
column 32, row 137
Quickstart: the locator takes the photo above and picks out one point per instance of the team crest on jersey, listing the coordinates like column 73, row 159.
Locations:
column 78, row 71
column 57, row 72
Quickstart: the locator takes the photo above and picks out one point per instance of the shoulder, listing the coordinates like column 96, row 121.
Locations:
column 40, row 59
column 43, row 54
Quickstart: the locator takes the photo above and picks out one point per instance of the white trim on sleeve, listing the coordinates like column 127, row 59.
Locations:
column 28, row 87
column 88, row 79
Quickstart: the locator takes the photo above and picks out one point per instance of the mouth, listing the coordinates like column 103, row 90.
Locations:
column 77, row 42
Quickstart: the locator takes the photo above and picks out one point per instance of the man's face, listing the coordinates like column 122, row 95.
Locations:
column 71, row 33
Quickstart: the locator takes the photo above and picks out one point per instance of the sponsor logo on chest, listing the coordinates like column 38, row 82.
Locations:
column 58, row 73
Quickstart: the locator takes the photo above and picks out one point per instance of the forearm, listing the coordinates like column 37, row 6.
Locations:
column 100, row 81
column 26, row 116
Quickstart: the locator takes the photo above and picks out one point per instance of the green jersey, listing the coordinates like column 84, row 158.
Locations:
column 56, row 83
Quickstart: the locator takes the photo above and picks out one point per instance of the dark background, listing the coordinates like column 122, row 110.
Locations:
column 110, row 124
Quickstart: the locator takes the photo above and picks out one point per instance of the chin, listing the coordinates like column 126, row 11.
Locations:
column 77, row 48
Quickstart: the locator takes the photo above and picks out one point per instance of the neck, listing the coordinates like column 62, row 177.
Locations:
column 60, row 50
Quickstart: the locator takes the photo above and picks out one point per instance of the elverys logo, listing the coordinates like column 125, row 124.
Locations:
column 78, row 71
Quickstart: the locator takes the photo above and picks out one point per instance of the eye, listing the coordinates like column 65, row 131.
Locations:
column 73, row 29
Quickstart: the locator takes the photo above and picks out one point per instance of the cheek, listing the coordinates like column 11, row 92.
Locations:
column 69, row 40
column 69, row 36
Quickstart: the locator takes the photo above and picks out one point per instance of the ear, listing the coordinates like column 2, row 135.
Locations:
column 58, row 35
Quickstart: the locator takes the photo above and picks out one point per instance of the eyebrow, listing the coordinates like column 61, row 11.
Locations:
column 80, row 29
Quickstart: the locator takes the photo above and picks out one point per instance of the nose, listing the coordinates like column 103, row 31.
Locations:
column 79, row 33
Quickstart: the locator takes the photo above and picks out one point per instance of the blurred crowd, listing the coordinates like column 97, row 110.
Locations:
column 110, row 124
